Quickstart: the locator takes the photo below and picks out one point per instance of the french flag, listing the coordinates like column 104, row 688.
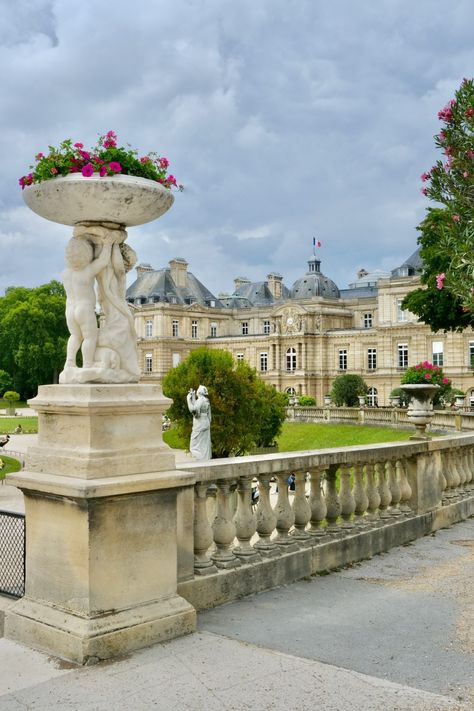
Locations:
column 316, row 243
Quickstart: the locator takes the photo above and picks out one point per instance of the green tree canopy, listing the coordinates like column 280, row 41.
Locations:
column 6, row 381
column 245, row 411
column 447, row 232
column 33, row 335
column 346, row 389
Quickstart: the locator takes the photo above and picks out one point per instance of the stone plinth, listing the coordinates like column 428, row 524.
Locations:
column 102, row 525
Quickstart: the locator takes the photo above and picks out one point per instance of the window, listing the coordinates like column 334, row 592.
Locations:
column 291, row 360
column 213, row 330
column 371, row 358
column 471, row 354
column 403, row 355
column 343, row 359
column 176, row 359
column 194, row 329
column 148, row 362
column 239, row 357
column 148, row 328
column 367, row 320
column 263, row 362
column 175, row 328
column 266, row 328
column 245, row 328
column 401, row 313
column 372, row 397
column 438, row 356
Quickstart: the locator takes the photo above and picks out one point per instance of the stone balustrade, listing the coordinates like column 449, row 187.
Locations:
column 460, row 420
column 348, row 504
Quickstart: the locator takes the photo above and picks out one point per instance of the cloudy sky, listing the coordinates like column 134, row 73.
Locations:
column 285, row 120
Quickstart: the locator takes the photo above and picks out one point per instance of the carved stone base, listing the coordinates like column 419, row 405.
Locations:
column 80, row 376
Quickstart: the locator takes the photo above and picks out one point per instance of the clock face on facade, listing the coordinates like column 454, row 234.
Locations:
column 290, row 320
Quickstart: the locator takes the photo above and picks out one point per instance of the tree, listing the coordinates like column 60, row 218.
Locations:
column 11, row 397
column 447, row 232
column 33, row 335
column 346, row 389
column 6, row 381
column 245, row 411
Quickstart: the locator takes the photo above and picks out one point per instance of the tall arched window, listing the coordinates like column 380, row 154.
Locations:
column 290, row 391
column 372, row 397
column 291, row 360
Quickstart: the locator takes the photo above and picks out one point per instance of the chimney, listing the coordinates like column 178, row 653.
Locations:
column 275, row 283
column 143, row 268
column 179, row 270
column 238, row 281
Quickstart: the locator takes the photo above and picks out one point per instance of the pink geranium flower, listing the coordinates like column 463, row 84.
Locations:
column 115, row 167
column 440, row 280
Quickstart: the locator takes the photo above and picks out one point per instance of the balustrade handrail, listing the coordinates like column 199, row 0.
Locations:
column 253, row 465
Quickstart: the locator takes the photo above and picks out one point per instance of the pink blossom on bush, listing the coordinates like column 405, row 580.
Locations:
column 164, row 163
column 456, row 218
column 425, row 176
column 78, row 145
column 440, row 280
column 427, row 376
column 115, row 167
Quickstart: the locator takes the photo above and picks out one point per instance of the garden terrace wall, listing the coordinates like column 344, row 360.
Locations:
column 348, row 505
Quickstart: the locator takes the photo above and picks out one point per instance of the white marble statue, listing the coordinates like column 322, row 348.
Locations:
column 96, row 255
column 200, row 408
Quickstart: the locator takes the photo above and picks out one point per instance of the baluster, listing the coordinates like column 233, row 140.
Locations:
column 443, row 484
column 301, row 507
column 244, row 519
column 394, row 488
column 224, row 528
column 332, row 501
column 202, row 531
column 455, row 472
column 266, row 519
column 461, row 471
column 317, row 503
column 346, row 497
column 465, row 471
column 469, row 466
column 373, row 495
column 360, row 496
column 384, row 490
column 284, row 514
column 405, row 488
column 449, row 475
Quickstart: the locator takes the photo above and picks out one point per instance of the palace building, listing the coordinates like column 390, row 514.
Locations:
column 298, row 338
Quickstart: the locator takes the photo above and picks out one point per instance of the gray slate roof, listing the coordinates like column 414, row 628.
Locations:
column 155, row 286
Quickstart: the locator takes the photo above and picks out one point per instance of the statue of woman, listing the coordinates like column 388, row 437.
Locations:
column 200, row 408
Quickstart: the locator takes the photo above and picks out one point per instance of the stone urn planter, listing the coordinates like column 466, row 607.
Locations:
column 420, row 407
column 327, row 400
column 361, row 400
column 395, row 401
column 121, row 199
column 459, row 402
column 99, row 209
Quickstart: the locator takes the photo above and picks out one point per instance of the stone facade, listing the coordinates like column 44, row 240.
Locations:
column 298, row 339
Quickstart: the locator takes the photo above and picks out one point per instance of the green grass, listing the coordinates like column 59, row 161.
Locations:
column 11, row 465
column 300, row 436
column 8, row 424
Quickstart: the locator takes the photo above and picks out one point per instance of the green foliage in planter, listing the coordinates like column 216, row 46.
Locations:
column 306, row 401
column 346, row 389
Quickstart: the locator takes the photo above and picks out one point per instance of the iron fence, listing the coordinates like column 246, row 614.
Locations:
column 12, row 553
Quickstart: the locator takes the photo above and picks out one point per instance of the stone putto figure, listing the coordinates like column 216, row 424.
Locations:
column 200, row 408
column 97, row 257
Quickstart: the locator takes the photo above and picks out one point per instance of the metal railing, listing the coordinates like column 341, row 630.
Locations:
column 12, row 553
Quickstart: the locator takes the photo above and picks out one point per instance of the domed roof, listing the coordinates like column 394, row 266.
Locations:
column 314, row 283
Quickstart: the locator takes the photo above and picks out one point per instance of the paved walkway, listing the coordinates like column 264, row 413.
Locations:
column 393, row 634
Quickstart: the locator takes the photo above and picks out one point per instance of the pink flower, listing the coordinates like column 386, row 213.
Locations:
column 144, row 160
column 427, row 376
column 78, row 145
column 456, row 218
column 38, row 156
column 445, row 381
column 164, row 163
column 171, row 180
column 102, row 171
column 115, row 167
column 110, row 140
column 87, row 170
column 424, row 191
column 442, row 135
column 470, row 153
column 85, row 155
column 425, row 176
column 418, row 366
column 465, row 174
column 26, row 180
column 54, row 170
column 469, row 112
column 440, row 279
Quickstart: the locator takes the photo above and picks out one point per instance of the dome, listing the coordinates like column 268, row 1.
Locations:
column 314, row 283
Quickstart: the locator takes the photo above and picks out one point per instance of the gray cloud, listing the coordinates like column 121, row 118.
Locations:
column 284, row 120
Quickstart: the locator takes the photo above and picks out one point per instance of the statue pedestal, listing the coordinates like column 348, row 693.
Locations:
column 102, row 530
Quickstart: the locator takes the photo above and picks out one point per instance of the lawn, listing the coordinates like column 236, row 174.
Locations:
column 10, row 465
column 28, row 424
column 300, row 436
column 18, row 403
